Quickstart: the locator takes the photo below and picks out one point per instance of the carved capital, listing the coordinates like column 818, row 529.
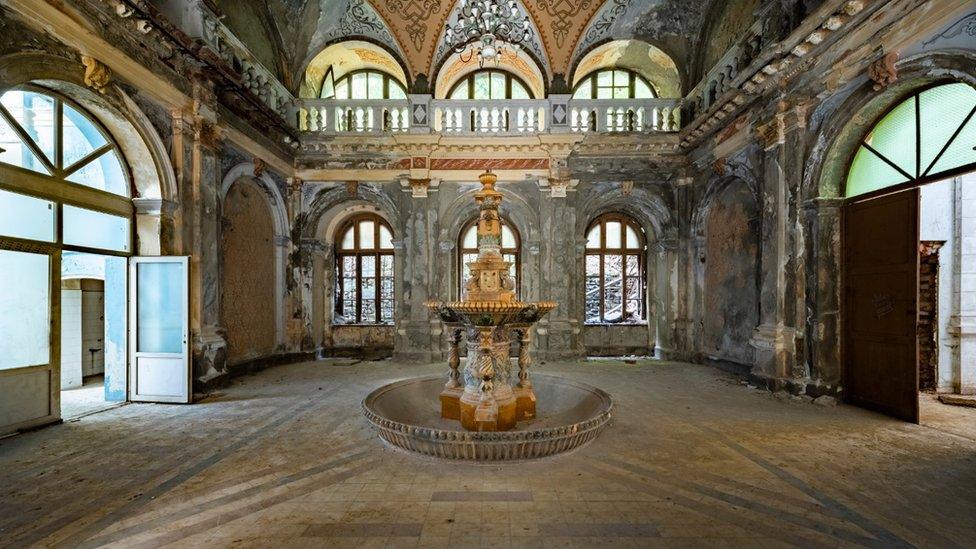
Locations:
column 207, row 134
column 294, row 185
column 97, row 75
column 259, row 166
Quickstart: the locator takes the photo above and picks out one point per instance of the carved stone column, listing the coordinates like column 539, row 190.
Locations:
column 823, row 295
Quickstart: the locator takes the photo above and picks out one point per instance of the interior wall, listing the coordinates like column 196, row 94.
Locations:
column 731, row 291
column 92, row 327
column 936, row 223
column 71, row 355
column 248, row 307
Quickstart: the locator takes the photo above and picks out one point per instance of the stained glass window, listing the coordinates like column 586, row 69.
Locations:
column 930, row 133
column 615, row 283
column 364, row 272
column 511, row 252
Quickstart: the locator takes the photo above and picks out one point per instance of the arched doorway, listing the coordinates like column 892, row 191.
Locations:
column 920, row 147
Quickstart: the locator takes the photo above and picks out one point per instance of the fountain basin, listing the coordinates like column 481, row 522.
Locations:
column 406, row 414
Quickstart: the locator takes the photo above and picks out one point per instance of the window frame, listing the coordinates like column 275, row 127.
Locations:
column 516, row 251
column 358, row 252
column 387, row 80
column 602, row 252
column 468, row 80
column 920, row 178
column 633, row 77
column 56, row 188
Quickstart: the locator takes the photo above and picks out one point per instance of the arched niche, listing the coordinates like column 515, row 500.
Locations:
column 262, row 191
column 645, row 59
column 726, row 267
column 250, row 307
column 342, row 58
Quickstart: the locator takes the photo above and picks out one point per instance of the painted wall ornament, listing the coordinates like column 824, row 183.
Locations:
column 97, row 75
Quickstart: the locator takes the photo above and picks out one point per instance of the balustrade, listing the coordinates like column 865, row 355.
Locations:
column 510, row 117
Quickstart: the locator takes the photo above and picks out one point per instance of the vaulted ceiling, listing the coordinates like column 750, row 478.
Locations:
column 287, row 34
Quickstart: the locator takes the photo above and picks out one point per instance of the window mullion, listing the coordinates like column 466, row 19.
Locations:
column 58, row 141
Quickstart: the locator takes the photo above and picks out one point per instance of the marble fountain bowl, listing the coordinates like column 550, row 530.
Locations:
column 406, row 414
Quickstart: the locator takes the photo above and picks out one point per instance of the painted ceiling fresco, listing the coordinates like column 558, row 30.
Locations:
column 414, row 29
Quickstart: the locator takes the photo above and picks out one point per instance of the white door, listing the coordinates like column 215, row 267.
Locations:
column 159, row 305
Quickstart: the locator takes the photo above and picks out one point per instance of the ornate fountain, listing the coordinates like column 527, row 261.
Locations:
column 488, row 314
column 503, row 417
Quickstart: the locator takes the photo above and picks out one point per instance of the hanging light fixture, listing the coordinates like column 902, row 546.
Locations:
column 488, row 27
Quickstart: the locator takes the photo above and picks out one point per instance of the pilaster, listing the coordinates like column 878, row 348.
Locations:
column 778, row 351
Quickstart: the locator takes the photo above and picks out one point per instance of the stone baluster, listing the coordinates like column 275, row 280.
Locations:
column 454, row 360
column 524, row 357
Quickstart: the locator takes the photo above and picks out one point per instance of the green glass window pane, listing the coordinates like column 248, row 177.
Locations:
column 621, row 78
column 460, row 91
column 359, row 86
column 869, row 173
column 14, row 151
column 961, row 151
column 24, row 309
column 103, row 173
column 23, row 216
column 159, row 315
column 621, row 93
column 497, row 85
column 328, row 86
column 374, row 85
column 584, row 90
column 942, row 110
column 342, row 89
column 604, row 78
column 482, row 88
column 35, row 114
column 95, row 229
column 80, row 136
column 642, row 90
column 894, row 137
column 519, row 91
column 396, row 90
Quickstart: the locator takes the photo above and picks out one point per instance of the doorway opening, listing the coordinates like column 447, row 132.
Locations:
column 93, row 332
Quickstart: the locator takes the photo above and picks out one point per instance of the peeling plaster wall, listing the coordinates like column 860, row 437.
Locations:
column 247, row 274
column 731, row 300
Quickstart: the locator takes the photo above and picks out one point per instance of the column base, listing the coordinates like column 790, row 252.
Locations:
column 492, row 414
column 524, row 403
column 451, row 403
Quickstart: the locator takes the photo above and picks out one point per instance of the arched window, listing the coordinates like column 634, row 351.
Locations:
column 490, row 84
column 364, row 271
column 468, row 252
column 58, row 146
column 926, row 137
column 363, row 84
column 615, row 271
column 613, row 84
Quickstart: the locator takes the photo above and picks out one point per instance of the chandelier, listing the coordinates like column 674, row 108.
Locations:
column 488, row 27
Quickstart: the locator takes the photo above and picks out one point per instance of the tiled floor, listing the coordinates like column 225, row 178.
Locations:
column 284, row 458
column 86, row 399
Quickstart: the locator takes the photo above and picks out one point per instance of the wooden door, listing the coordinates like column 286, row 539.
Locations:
column 881, row 304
